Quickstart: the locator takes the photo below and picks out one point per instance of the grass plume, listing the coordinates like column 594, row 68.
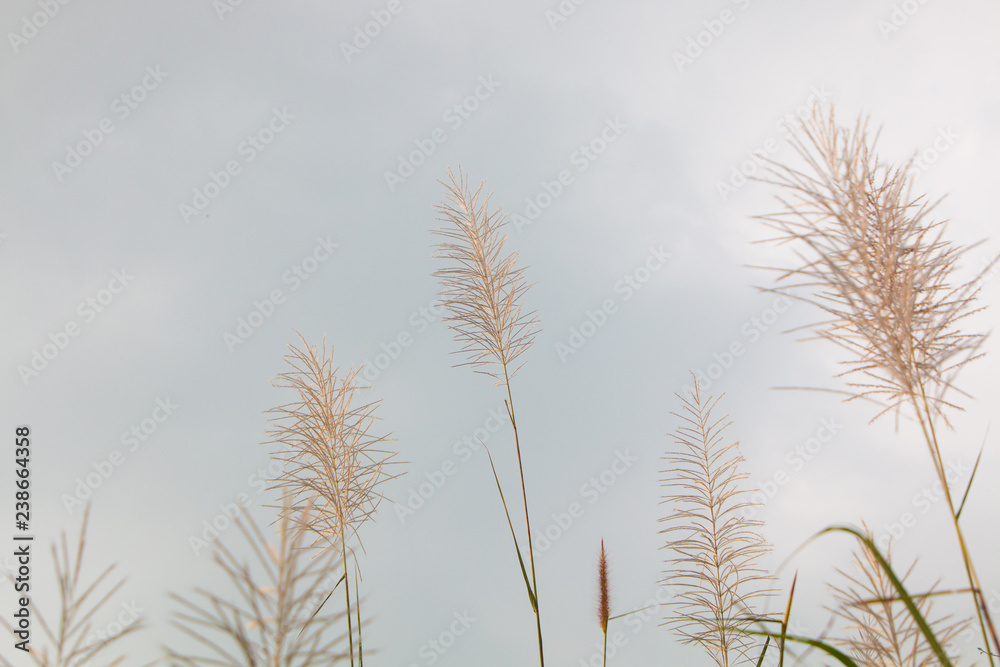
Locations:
column 483, row 291
column 604, row 597
column 333, row 461
column 70, row 641
column 873, row 259
column 715, row 548
column 481, row 287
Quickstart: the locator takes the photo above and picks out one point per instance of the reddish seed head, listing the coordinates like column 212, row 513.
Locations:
column 604, row 606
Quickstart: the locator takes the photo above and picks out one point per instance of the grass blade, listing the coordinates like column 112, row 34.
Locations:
column 898, row 585
column 524, row 572
column 760, row 661
column 784, row 621
column 342, row 577
column 971, row 477
column 823, row 646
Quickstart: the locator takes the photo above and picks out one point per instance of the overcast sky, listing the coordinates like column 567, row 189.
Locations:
column 170, row 169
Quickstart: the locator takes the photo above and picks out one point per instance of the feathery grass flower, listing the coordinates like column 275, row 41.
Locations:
column 715, row 546
column 871, row 257
column 881, row 269
column 481, row 287
column 483, row 290
column 333, row 461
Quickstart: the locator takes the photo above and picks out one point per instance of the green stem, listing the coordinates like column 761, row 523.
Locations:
column 925, row 417
column 357, row 606
column 347, row 594
column 527, row 521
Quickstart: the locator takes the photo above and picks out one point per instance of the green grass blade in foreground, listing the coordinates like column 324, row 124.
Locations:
column 763, row 652
column 357, row 607
column 524, row 572
column 784, row 621
column 904, row 595
column 968, row 488
column 342, row 577
column 823, row 646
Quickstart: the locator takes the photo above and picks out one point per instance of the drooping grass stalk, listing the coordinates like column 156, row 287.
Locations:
column 483, row 291
column 884, row 630
column 333, row 463
column 916, row 610
column 872, row 258
column 881, row 561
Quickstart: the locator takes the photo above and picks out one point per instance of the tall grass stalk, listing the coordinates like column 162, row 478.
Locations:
column 333, row 462
column 871, row 257
column 715, row 546
column 483, row 291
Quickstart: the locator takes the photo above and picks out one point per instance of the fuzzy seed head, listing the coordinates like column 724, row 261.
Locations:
column 604, row 604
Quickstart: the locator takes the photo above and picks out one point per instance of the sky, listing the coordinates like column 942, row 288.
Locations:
column 188, row 186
